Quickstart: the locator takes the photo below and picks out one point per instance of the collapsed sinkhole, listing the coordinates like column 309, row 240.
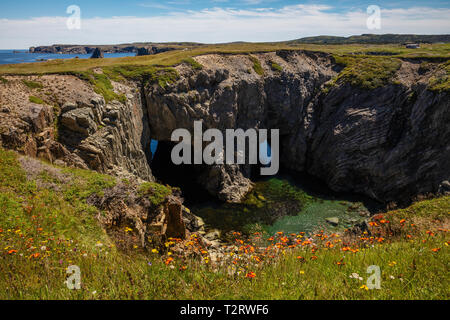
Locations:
column 186, row 176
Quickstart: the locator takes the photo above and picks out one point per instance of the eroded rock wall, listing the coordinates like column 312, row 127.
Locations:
column 389, row 143
column 72, row 125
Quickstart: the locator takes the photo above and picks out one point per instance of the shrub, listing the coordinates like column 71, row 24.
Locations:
column 36, row 100
column 155, row 192
column 276, row 67
column 257, row 65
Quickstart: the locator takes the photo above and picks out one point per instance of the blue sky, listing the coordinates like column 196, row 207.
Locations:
column 107, row 8
column 25, row 23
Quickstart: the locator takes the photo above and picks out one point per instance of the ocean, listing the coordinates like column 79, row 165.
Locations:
column 9, row 57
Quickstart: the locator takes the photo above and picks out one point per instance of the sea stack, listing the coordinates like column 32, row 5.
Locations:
column 97, row 54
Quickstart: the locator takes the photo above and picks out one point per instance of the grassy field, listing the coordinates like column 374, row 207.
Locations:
column 175, row 57
column 47, row 227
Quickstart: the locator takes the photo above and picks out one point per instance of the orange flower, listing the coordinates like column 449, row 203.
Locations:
column 12, row 251
column 251, row 275
column 314, row 258
column 35, row 255
column 168, row 261
column 436, row 249
column 301, row 258
column 183, row 268
column 341, row 263
column 402, row 221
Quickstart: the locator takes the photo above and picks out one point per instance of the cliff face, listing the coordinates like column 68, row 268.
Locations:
column 70, row 124
column 389, row 143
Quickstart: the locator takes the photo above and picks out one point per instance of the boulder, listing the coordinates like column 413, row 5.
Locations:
column 79, row 120
column 97, row 54
column 334, row 221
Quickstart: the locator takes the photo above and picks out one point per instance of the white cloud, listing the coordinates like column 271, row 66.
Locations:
column 221, row 25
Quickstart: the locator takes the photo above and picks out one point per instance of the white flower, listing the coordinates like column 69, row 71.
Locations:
column 43, row 248
column 392, row 277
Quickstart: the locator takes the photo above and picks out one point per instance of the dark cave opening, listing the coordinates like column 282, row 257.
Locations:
column 180, row 176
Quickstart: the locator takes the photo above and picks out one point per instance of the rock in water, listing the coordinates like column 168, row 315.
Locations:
column 334, row 221
column 97, row 54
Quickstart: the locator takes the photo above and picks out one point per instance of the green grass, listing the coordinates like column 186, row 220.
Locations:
column 276, row 67
column 32, row 84
column 367, row 72
column 168, row 59
column 155, row 192
column 257, row 66
column 43, row 230
column 441, row 83
column 194, row 64
column 3, row 80
column 36, row 100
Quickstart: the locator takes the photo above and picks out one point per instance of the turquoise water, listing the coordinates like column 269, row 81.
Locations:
column 283, row 204
column 9, row 57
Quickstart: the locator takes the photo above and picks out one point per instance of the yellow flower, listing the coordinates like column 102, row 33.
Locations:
column 364, row 287
column 393, row 263
column 302, row 272
column 155, row 251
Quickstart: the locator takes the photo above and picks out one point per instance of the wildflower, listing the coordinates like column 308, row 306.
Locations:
column 364, row 287
column 251, row 275
column 35, row 255
column 149, row 263
column 314, row 258
column 183, row 268
column 392, row 264
column 168, row 261
column 355, row 276
column 341, row 263
column 12, row 251
column 127, row 229
column 436, row 249
column 155, row 251
column 302, row 272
